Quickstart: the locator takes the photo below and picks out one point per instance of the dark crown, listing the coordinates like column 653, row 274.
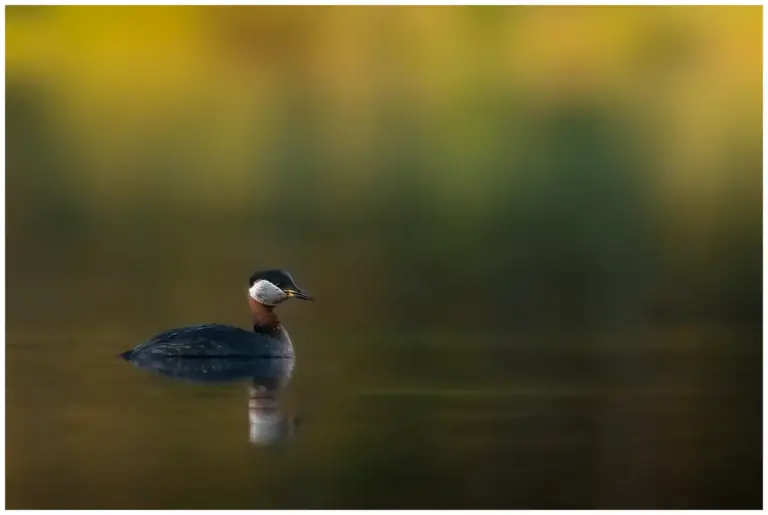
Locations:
column 279, row 278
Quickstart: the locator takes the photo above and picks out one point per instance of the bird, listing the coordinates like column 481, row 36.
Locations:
column 269, row 339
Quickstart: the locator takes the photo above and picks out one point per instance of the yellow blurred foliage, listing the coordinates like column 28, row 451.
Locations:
column 217, row 81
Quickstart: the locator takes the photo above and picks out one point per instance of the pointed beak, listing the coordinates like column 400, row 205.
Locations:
column 298, row 293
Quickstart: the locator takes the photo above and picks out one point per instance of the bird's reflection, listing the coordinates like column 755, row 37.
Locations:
column 267, row 376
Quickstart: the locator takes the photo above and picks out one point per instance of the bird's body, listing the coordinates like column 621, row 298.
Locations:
column 215, row 340
column 267, row 340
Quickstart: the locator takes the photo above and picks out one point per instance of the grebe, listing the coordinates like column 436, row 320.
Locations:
column 268, row 339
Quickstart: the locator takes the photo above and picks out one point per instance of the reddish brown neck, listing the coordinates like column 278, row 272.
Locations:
column 263, row 316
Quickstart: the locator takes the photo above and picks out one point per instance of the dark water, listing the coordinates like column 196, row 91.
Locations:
column 668, row 418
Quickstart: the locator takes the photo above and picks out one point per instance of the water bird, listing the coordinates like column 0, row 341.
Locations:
column 269, row 339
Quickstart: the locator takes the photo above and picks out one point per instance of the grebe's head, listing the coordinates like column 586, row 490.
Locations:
column 271, row 287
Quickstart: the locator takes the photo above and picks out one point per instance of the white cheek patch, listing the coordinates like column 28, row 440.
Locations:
column 266, row 293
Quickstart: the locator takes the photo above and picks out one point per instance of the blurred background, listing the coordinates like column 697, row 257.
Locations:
column 534, row 234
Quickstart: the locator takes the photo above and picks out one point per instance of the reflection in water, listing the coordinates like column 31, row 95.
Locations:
column 268, row 377
column 267, row 422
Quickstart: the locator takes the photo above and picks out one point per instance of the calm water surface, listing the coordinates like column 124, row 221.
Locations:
column 666, row 418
